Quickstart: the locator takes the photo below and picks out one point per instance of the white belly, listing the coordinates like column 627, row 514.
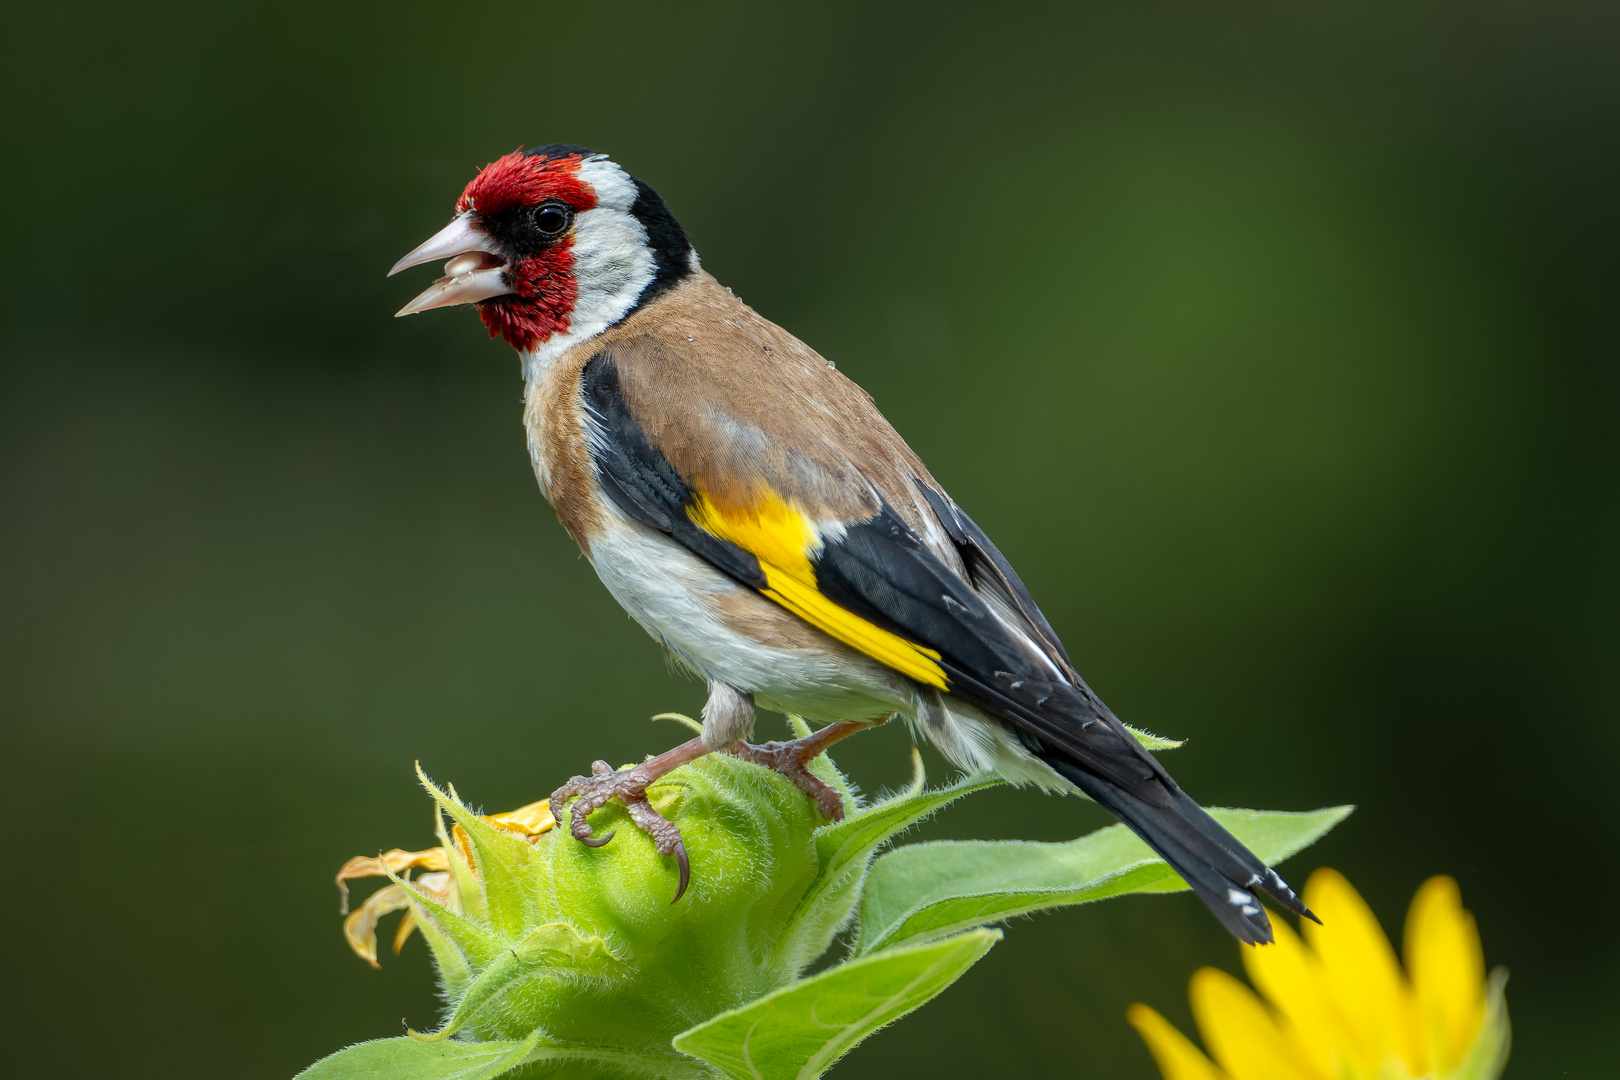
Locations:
column 677, row 598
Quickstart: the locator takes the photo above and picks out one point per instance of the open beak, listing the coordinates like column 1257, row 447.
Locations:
column 476, row 269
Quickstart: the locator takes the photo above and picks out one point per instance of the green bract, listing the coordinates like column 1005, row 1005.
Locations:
column 555, row 957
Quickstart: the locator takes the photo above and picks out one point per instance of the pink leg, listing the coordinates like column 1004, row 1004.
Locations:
column 792, row 759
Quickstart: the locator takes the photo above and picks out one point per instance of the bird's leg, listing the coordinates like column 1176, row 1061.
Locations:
column 728, row 715
column 793, row 757
column 629, row 786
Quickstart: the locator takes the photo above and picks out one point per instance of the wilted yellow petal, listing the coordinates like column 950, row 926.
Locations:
column 407, row 927
column 1289, row 974
column 360, row 928
column 1361, row 975
column 1447, row 965
column 1240, row 1033
column 391, row 862
column 1177, row 1058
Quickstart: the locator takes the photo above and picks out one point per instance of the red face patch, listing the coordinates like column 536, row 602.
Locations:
column 544, row 283
column 516, row 181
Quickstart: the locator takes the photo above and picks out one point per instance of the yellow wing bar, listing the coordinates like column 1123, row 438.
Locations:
column 782, row 540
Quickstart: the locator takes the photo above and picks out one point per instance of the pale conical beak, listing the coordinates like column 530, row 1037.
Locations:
column 476, row 269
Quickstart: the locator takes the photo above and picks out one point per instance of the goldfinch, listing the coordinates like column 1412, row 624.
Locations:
column 752, row 509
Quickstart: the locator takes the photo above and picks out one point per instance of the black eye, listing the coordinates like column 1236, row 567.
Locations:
column 551, row 219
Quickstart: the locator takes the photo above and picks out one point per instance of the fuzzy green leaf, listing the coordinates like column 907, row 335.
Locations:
column 472, row 941
column 844, row 850
column 405, row 1058
column 798, row 1032
column 502, row 862
column 468, row 887
column 933, row 889
column 844, row 845
column 549, row 945
column 1151, row 741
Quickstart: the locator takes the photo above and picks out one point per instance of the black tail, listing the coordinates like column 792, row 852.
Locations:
column 1219, row 869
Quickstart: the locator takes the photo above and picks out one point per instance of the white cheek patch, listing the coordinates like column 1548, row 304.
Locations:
column 613, row 263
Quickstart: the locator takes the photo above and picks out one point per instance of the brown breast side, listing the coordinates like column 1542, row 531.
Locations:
column 553, row 418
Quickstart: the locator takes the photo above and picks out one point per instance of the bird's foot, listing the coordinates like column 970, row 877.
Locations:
column 792, row 759
column 629, row 786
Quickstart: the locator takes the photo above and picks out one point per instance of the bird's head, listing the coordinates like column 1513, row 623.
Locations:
column 553, row 245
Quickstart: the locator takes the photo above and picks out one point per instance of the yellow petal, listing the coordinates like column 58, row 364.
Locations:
column 1289, row 975
column 1447, row 965
column 1241, row 1033
column 360, row 928
column 1362, row 977
column 392, row 862
column 527, row 822
column 1177, row 1058
column 531, row 820
column 407, row 927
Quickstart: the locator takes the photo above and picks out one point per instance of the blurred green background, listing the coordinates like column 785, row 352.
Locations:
column 1274, row 343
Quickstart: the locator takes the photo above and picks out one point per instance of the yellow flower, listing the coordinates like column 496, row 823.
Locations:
column 360, row 928
column 1337, row 1004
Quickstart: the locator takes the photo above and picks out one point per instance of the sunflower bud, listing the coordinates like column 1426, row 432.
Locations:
column 531, row 930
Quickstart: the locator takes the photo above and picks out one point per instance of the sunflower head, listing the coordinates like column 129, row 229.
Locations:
column 1336, row 1005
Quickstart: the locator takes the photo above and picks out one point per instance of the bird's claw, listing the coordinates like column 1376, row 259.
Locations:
column 629, row 787
column 685, row 867
column 792, row 759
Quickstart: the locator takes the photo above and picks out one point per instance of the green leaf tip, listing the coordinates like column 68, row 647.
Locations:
column 1151, row 741
column 500, row 863
column 679, row 718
